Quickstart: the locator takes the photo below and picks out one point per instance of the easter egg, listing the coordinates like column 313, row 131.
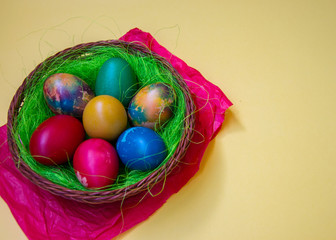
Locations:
column 104, row 117
column 96, row 163
column 117, row 79
column 152, row 106
column 66, row 94
column 55, row 140
column 141, row 148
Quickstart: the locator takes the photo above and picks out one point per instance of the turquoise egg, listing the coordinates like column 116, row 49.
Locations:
column 117, row 79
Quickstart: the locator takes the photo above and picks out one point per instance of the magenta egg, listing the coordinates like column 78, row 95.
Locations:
column 96, row 163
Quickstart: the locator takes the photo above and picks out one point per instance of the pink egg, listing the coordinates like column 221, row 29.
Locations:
column 96, row 163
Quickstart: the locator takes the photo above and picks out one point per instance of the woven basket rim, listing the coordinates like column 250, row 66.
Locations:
column 108, row 196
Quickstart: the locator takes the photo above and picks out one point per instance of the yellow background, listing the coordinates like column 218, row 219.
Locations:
column 271, row 171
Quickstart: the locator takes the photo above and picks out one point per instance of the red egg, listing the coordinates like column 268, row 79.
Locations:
column 55, row 140
column 96, row 163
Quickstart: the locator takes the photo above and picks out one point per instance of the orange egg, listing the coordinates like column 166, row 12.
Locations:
column 104, row 117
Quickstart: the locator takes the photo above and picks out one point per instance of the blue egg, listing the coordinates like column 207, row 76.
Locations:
column 117, row 79
column 141, row 148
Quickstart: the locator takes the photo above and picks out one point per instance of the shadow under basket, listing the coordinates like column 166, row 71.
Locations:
column 100, row 196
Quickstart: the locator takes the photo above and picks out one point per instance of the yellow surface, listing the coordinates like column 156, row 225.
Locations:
column 271, row 172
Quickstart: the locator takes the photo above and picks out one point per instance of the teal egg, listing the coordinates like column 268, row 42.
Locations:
column 117, row 79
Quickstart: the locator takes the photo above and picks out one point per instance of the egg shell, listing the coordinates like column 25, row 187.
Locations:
column 67, row 94
column 141, row 148
column 96, row 163
column 104, row 117
column 117, row 79
column 55, row 140
column 152, row 106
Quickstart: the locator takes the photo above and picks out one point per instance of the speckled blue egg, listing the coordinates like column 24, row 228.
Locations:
column 67, row 94
column 141, row 148
column 117, row 79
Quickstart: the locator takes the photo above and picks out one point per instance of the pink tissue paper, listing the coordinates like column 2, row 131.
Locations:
column 42, row 215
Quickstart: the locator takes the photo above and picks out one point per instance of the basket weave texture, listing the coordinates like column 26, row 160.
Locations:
column 107, row 196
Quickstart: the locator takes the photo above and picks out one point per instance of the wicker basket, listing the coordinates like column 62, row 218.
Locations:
column 107, row 196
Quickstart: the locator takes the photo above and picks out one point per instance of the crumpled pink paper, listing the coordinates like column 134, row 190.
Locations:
column 44, row 216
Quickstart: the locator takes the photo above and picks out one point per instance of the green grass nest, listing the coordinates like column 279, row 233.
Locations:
column 85, row 63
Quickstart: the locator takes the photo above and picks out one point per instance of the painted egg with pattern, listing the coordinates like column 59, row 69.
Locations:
column 152, row 106
column 67, row 94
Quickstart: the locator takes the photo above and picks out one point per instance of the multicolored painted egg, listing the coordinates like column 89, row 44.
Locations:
column 117, row 79
column 104, row 117
column 141, row 148
column 96, row 163
column 152, row 106
column 55, row 140
column 67, row 94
